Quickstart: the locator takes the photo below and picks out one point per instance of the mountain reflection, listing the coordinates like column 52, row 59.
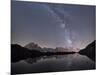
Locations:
column 53, row 63
column 53, row 57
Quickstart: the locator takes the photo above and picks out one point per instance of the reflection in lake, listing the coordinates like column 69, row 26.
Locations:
column 53, row 64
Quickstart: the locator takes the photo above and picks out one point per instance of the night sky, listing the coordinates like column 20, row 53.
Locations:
column 52, row 25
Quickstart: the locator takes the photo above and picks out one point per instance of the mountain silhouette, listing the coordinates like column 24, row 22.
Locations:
column 18, row 52
column 90, row 50
column 32, row 45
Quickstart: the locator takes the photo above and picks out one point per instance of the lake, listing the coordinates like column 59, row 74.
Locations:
column 53, row 63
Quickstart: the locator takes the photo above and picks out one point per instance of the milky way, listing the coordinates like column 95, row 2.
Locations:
column 63, row 19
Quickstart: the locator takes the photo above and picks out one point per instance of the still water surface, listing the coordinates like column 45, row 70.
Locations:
column 53, row 64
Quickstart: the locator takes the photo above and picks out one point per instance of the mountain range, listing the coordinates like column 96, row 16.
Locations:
column 33, row 50
column 90, row 50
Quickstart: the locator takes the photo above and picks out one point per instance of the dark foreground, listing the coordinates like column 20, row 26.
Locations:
column 24, row 60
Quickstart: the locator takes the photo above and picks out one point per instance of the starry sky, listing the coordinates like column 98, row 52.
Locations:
column 52, row 25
